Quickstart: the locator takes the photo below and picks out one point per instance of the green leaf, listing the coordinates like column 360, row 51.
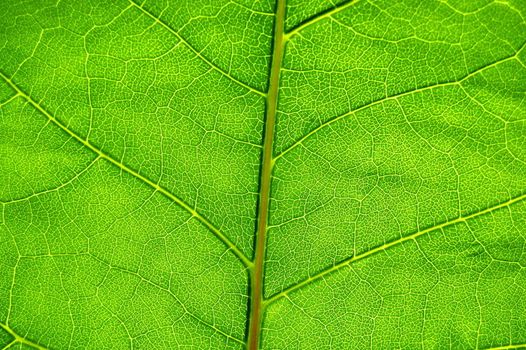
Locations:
column 290, row 174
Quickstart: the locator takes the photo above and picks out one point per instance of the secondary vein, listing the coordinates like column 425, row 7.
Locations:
column 222, row 237
column 19, row 339
column 456, row 82
column 194, row 50
column 318, row 17
column 511, row 346
column 389, row 245
column 256, row 291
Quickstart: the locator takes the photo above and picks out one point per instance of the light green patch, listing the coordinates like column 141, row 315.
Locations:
column 270, row 174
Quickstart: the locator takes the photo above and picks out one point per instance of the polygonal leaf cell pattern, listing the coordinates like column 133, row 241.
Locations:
column 269, row 174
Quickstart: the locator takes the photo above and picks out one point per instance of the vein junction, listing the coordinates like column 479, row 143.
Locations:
column 456, row 82
column 195, row 51
column 256, row 267
column 17, row 339
column 232, row 247
column 382, row 248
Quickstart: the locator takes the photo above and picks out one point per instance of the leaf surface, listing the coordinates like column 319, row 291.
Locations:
column 298, row 174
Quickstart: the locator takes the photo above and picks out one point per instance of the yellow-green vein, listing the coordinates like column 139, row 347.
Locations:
column 230, row 245
column 195, row 51
column 19, row 339
column 389, row 245
column 256, row 289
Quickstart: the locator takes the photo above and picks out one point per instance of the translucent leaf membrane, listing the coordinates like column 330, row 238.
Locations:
column 460, row 287
column 265, row 174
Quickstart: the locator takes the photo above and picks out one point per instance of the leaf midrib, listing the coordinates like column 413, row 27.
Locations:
column 267, row 162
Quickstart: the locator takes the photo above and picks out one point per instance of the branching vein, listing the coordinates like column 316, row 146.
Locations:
column 20, row 339
column 195, row 51
column 352, row 259
column 231, row 246
column 399, row 95
column 320, row 16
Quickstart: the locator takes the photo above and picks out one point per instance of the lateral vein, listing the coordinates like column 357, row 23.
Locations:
column 318, row 17
column 195, row 51
column 222, row 237
column 511, row 346
column 397, row 96
column 352, row 259
column 169, row 292
column 19, row 339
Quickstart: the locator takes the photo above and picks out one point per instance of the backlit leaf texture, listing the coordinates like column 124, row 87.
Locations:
column 253, row 174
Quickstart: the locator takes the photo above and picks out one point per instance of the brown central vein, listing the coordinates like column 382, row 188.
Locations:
column 256, row 288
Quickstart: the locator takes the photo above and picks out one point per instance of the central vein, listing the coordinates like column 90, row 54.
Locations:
column 256, row 289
